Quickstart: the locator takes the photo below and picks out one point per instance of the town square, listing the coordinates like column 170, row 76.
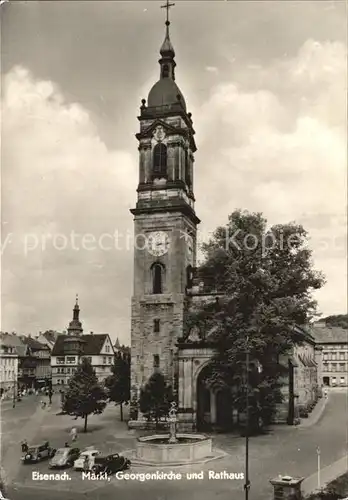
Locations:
column 174, row 251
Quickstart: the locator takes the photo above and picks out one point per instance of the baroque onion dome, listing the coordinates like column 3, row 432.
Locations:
column 166, row 92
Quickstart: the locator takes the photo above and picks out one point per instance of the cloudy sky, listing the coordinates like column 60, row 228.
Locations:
column 266, row 83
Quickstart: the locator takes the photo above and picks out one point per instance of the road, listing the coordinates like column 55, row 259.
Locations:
column 289, row 451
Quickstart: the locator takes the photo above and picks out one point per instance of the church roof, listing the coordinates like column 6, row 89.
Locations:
column 165, row 92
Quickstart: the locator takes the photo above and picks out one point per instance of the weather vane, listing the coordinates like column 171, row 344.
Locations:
column 167, row 6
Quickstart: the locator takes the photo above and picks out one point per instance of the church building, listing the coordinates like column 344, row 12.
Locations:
column 165, row 286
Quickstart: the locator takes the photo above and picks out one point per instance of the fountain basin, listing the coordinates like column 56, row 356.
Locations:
column 188, row 448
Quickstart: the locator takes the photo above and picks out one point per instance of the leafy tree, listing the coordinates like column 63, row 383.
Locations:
column 118, row 384
column 85, row 396
column 266, row 278
column 155, row 398
column 340, row 320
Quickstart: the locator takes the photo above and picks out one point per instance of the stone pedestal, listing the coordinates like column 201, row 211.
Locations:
column 287, row 488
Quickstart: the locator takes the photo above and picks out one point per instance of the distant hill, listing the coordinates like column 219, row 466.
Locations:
column 340, row 320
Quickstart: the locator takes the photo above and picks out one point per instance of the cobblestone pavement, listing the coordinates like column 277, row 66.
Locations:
column 288, row 450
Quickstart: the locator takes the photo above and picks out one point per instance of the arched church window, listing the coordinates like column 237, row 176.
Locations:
column 165, row 71
column 189, row 277
column 157, row 278
column 160, row 160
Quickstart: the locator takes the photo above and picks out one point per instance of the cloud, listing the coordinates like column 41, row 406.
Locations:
column 278, row 145
column 65, row 194
column 211, row 69
column 271, row 138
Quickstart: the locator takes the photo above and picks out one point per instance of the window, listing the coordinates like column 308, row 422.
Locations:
column 326, row 356
column 104, row 360
column 156, row 325
column 60, row 360
column 68, row 370
column 165, row 71
column 107, row 348
column 156, row 361
column 189, row 277
column 70, row 359
column 160, row 160
column 342, row 356
column 157, row 278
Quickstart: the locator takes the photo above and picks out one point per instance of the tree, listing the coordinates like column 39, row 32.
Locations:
column 85, row 396
column 267, row 279
column 155, row 398
column 118, row 384
column 338, row 320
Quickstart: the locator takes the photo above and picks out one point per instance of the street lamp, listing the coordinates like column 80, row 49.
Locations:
column 247, row 362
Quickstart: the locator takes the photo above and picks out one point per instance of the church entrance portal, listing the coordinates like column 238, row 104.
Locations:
column 214, row 406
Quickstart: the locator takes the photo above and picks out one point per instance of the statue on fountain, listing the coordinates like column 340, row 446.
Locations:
column 172, row 423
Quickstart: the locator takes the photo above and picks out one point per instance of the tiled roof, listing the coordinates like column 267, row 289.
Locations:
column 92, row 344
column 51, row 335
column 12, row 340
column 329, row 334
column 34, row 344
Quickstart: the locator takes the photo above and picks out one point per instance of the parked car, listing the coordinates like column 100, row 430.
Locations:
column 64, row 457
column 110, row 464
column 39, row 452
column 86, row 459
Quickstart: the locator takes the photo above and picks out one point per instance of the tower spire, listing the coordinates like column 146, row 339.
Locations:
column 167, row 51
column 75, row 326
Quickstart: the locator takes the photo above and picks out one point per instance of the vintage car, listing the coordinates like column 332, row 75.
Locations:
column 110, row 464
column 86, row 459
column 38, row 452
column 64, row 457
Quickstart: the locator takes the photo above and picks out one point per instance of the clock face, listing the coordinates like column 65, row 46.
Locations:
column 158, row 243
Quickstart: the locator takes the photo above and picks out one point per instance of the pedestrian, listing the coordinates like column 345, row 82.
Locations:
column 24, row 446
column 66, row 445
column 73, row 434
column 86, row 463
column 325, row 393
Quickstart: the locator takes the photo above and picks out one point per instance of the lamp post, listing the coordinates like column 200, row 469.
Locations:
column 247, row 361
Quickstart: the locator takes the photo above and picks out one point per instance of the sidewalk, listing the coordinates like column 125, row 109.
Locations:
column 316, row 414
column 328, row 474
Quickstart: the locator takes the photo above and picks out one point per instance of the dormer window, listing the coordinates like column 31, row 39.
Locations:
column 160, row 161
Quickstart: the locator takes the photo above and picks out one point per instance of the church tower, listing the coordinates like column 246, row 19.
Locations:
column 165, row 225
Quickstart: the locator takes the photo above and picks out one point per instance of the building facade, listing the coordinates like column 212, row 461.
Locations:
column 8, row 367
column 333, row 342
column 70, row 349
column 39, row 358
